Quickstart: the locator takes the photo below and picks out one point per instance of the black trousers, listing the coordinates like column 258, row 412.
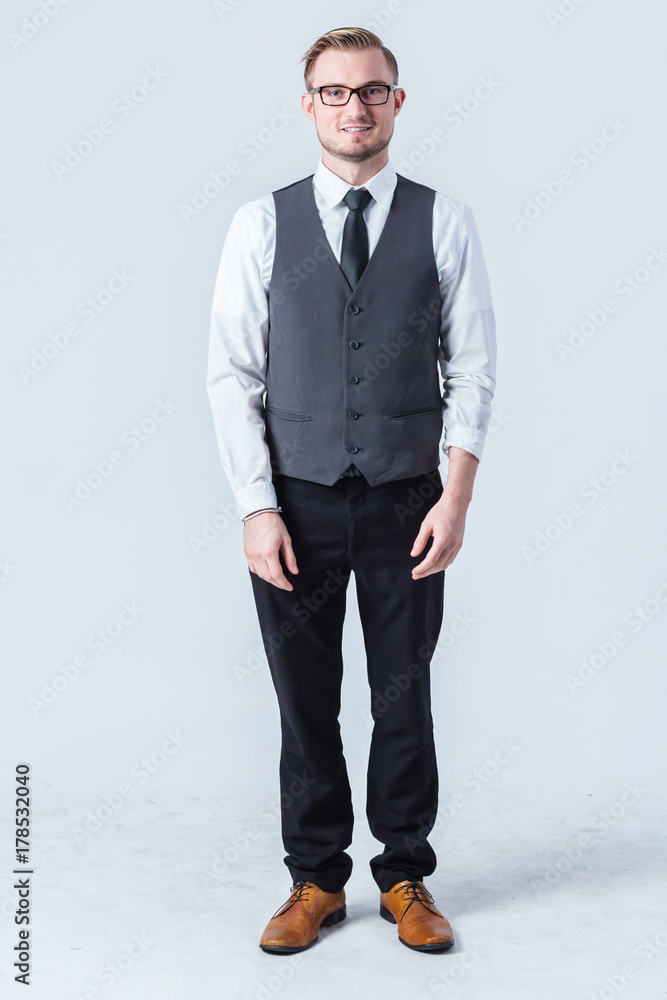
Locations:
column 352, row 526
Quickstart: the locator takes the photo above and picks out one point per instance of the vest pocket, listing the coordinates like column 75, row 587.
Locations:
column 412, row 413
column 289, row 414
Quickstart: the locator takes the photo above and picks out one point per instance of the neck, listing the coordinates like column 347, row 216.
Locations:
column 355, row 173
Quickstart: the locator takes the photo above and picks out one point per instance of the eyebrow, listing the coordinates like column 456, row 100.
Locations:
column 369, row 83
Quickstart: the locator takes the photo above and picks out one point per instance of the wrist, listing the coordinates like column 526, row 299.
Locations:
column 458, row 495
column 263, row 510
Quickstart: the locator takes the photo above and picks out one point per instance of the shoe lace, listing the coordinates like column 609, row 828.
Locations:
column 299, row 891
column 415, row 892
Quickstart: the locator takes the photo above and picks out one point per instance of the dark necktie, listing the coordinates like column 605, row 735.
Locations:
column 354, row 254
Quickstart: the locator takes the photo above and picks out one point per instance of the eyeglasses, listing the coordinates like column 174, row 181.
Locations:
column 374, row 94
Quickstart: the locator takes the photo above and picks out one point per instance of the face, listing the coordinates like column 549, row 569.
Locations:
column 357, row 68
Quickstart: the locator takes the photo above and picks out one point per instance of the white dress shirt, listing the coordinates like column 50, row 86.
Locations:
column 236, row 379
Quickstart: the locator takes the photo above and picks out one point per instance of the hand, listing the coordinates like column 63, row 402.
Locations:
column 445, row 521
column 264, row 538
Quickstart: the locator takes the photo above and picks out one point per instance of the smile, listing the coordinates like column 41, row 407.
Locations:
column 357, row 128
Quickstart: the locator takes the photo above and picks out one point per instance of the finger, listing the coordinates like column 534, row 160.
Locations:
column 420, row 540
column 432, row 561
column 452, row 556
column 276, row 575
column 288, row 555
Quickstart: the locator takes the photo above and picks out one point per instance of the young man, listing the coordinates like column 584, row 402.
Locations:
column 340, row 295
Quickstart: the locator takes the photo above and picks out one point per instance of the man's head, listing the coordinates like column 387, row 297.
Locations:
column 351, row 57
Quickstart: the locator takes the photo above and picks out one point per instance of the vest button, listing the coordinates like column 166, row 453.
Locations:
column 354, row 310
column 353, row 414
column 353, row 378
column 353, row 448
column 354, row 344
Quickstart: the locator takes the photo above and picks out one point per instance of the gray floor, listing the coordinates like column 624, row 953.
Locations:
column 169, row 899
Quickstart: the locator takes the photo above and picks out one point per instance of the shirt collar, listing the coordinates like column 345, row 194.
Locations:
column 332, row 188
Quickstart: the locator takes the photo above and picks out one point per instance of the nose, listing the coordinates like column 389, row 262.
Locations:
column 359, row 101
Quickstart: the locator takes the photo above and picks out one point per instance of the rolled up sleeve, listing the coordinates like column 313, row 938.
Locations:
column 236, row 376
column 467, row 354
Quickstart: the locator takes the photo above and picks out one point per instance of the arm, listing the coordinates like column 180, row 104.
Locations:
column 236, row 382
column 468, row 361
column 446, row 519
column 236, row 377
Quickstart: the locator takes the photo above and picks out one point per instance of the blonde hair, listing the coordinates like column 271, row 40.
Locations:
column 345, row 39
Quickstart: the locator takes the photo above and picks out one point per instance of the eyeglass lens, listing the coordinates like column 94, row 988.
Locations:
column 340, row 95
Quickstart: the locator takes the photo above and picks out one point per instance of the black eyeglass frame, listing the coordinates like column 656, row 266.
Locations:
column 355, row 90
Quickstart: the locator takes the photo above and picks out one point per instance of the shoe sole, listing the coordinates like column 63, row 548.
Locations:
column 435, row 946
column 282, row 949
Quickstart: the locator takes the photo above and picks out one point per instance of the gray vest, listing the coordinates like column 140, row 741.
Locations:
column 352, row 375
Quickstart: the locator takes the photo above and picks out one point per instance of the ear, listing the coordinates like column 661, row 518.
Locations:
column 307, row 105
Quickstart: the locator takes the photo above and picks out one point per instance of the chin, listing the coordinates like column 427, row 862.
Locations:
column 356, row 153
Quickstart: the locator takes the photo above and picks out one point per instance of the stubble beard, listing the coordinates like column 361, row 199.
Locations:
column 355, row 155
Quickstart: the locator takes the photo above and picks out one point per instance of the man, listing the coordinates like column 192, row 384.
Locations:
column 340, row 296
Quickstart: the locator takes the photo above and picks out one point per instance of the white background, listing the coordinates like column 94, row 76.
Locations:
column 160, row 532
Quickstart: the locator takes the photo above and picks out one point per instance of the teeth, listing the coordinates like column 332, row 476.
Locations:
column 364, row 129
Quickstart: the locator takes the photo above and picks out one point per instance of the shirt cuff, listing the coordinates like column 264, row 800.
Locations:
column 468, row 438
column 252, row 498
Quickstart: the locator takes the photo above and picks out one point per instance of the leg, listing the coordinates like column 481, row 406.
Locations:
column 401, row 620
column 302, row 635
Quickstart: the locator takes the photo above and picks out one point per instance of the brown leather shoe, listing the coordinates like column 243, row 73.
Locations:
column 296, row 924
column 421, row 925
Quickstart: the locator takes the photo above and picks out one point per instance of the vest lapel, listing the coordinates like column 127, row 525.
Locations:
column 385, row 236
